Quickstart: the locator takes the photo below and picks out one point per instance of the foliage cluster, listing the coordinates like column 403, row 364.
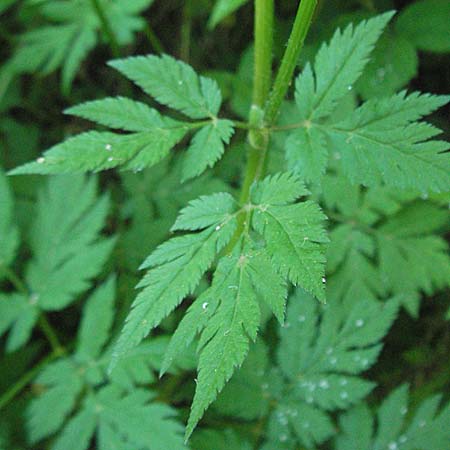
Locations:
column 289, row 209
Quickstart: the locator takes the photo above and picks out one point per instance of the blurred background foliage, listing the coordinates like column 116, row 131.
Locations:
column 54, row 55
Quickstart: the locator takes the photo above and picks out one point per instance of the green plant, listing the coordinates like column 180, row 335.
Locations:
column 330, row 225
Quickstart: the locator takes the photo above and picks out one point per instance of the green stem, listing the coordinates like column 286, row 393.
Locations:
column 44, row 324
column 153, row 39
column 262, row 77
column 258, row 136
column 289, row 62
column 106, row 28
column 50, row 334
column 15, row 280
column 22, row 382
column 266, row 106
column 186, row 30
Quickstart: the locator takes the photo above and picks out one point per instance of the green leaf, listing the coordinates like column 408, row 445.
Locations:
column 207, row 147
column 9, row 234
column 278, row 189
column 176, row 268
column 67, row 249
column 127, row 421
column 294, row 238
column 381, row 142
column 76, row 398
column 225, row 340
column 70, row 31
column 337, row 66
column 173, row 83
column 123, row 113
column 425, row 24
column 17, row 314
column 412, row 259
column 95, row 151
column 307, row 153
column 384, row 242
column 426, row 430
column 322, row 350
column 47, row 413
column 65, row 239
column 98, row 316
column 222, row 9
column 205, row 211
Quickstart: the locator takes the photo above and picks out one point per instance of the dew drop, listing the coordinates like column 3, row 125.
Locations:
column 110, row 159
column 34, row 298
column 344, row 395
column 204, row 305
column 301, row 318
column 343, row 382
column 108, row 147
column 40, row 160
column 283, row 438
column 218, row 228
column 324, row 384
column 393, row 446
column 359, row 323
column 324, row 280
column 404, row 410
column 349, row 87
column 180, row 82
column 337, row 155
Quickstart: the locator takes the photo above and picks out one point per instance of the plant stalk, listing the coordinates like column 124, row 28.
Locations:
column 22, row 382
column 186, row 30
column 106, row 27
column 262, row 76
column 289, row 62
column 57, row 348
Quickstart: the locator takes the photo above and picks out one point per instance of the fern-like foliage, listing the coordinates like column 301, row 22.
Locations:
column 78, row 401
column 73, row 29
column 67, row 253
column 228, row 313
column 323, row 349
column 385, row 243
column 151, row 136
column 426, row 429
column 382, row 140
column 253, row 250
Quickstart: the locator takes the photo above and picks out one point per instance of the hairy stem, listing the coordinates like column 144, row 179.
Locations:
column 289, row 62
column 266, row 106
column 262, row 77
column 106, row 27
